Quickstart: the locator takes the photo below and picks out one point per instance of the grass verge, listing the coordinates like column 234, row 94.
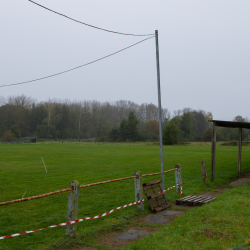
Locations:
column 221, row 224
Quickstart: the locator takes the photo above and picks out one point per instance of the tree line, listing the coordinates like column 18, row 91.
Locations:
column 189, row 125
column 122, row 120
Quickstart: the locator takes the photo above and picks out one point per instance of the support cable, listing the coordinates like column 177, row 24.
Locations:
column 42, row 78
column 120, row 33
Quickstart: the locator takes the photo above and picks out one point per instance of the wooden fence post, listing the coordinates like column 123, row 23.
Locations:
column 239, row 150
column 72, row 210
column 204, row 171
column 138, row 190
column 178, row 178
column 213, row 152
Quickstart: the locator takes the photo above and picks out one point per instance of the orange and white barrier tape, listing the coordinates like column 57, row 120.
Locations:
column 86, row 218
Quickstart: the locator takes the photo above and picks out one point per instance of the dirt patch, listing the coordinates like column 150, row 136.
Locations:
column 183, row 206
column 112, row 241
column 240, row 182
column 213, row 234
column 212, row 194
column 84, row 248
column 163, row 217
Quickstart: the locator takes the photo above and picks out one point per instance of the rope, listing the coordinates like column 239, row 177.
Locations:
column 82, row 186
column 159, row 173
column 35, row 197
column 103, row 182
column 61, row 191
column 66, row 71
column 80, row 220
column 88, row 24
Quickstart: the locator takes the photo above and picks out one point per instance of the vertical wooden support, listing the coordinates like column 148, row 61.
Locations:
column 239, row 150
column 72, row 211
column 178, row 178
column 204, row 171
column 213, row 152
column 138, row 190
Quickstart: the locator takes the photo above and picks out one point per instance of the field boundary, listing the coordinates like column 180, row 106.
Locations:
column 82, row 186
column 86, row 218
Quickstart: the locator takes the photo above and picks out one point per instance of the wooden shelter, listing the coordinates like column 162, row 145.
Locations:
column 228, row 124
column 248, row 135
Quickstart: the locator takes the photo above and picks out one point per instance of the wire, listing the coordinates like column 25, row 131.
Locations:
column 88, row 24
column 77, row 66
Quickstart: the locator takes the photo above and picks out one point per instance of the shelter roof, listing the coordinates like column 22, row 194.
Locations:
column 231, row 124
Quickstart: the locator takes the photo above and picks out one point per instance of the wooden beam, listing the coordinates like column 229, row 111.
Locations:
column 239, row 150
column 213, row 152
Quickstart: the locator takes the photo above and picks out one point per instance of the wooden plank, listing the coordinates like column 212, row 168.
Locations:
column 195, row 200
column 151, row 183
column 188, row 198
column 155, row 202
column 161, row 207
column 163, row 202
column 179, row 201
column 148, row 188
column 157, row 195
column 199, row 198
column 153, row 205
column 157, row 187
column 184, row 198
column 149, row 193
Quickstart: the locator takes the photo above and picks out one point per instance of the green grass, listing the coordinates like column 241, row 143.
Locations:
column 90, row 163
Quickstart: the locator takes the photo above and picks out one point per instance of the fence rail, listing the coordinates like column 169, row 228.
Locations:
column 82, row 186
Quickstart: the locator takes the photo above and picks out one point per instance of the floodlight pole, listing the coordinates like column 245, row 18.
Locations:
column 159, row 104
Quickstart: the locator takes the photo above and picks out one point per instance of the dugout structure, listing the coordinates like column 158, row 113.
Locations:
column 240, row 126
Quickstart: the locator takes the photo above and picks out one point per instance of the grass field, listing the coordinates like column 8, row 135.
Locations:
column 88, row 163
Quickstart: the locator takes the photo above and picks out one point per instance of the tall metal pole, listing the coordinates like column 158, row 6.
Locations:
column 159, row 104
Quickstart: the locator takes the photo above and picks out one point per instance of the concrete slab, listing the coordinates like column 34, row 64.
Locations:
column 171, row 213
column 240, row 182
column 156, row 219
column 131, row 234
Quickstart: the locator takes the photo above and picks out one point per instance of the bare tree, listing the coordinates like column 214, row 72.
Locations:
column 2, row 101
column 21, row 100
column 177, row 112
column 186, row 110
column 49, row 106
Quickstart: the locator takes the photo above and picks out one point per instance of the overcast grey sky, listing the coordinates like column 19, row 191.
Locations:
column 204, row 52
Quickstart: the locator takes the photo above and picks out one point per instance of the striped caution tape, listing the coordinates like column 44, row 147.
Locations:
column 80, row 220
column 73, row 222
column 181, row 184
